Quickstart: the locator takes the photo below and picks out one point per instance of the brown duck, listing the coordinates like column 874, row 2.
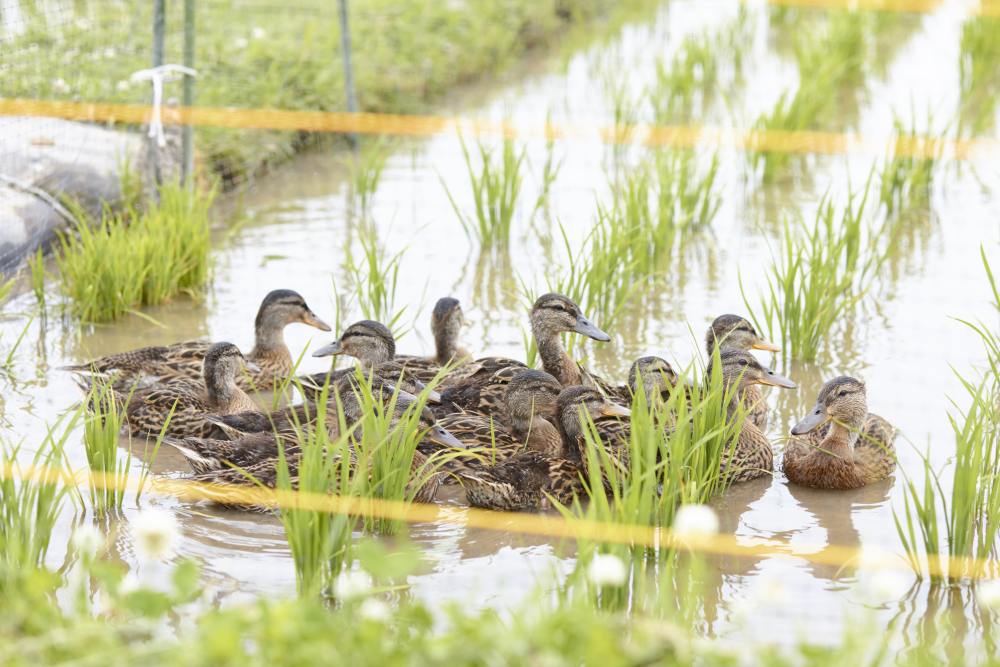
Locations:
column 181, row 362
column 750, row 456
column 146, row 410
column 842, row 459
column 732, row 332
column 521, row 482
column 257, row 454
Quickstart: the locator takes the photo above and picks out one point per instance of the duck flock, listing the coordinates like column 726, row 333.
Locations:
column 511, row 435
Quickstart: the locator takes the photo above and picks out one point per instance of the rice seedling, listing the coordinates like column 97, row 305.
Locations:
column 980, row 84
column 5, row 287
column 108, row 474
column 495, row 190
column 366, row 170
column 110, row 268
column 971, row 518
column 375, row 278
column 37, row 277
column 320, row 542
column 31, row 499
column 823, row 270
column 674, row 456
column 906, row 181
column 549, row 174
column 8, row 362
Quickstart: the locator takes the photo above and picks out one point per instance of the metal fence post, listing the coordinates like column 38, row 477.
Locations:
column 345, row 43
column 187, row 168
column 159, row 55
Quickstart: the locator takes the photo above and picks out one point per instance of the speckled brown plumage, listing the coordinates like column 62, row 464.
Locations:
column 750, row 456
column 611, row 430
column 180, row 364
column 146, row 410
column 521, row 482
column 842, row 459
column 482, row 391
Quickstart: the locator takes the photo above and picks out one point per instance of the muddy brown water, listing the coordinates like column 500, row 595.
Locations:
column 902, row 341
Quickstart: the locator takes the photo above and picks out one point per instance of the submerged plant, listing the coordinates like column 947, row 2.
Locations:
column 495, row 191
column 133, row 259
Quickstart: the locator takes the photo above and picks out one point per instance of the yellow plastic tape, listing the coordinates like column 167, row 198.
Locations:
column 827, row 143
column 528, row 524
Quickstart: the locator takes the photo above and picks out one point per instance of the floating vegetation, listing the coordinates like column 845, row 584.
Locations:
column 131, row 259
column 823, row 270
column 495, row 190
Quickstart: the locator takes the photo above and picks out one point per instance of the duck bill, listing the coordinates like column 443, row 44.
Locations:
column 816, row 418
column 771, row 378
column 761, row 344
column 432, row 396
column 615, row 410
column 333, row 349
column 250, row 366
column 440, row 436
column 313, row 321
column 587, row 328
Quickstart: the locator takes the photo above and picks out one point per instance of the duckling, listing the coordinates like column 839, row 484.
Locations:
column 841, row 460
column 146, row 410
column 181, row 362
column 257, row 454
column 482, row 387
column 750, row 456
column 521, row 482
column 735, row 332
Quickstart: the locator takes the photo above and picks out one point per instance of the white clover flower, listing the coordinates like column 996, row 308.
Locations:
column 123, row 85
column 240, row 43
column 156, row 533
column 696, row 520
column 988, row 594
column 258, row 33
column 129, row 584
column 60, row 86
column 373, row 609
column 351, row 585
column 87, row 540
column 607, row 570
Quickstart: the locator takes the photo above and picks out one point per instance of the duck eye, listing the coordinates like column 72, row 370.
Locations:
column 558, row 307
column 843, row 392
column 743, row 362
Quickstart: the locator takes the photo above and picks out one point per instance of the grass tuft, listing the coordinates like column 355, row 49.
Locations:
column 111, row 268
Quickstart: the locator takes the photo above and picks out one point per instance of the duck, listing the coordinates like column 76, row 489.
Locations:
column 841, row 459
column 750, row 456
column 147, row 410
column 447, row 320
column 524, row 481
column 657, row 376
column 529, row 395
column 612, row 433
column 735, row 332
column 481, row 388
column 257, row 454
column 180, row 363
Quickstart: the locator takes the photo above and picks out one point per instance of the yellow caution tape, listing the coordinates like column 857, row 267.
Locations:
column 826, row 143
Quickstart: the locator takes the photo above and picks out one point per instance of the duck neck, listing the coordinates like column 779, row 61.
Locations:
column 555, row 361
column 446, row 345
column 269, row 339
column 840, row 441
column 221, row 388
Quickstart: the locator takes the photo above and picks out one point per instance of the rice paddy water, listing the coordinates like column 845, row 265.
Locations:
column 856, row 264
